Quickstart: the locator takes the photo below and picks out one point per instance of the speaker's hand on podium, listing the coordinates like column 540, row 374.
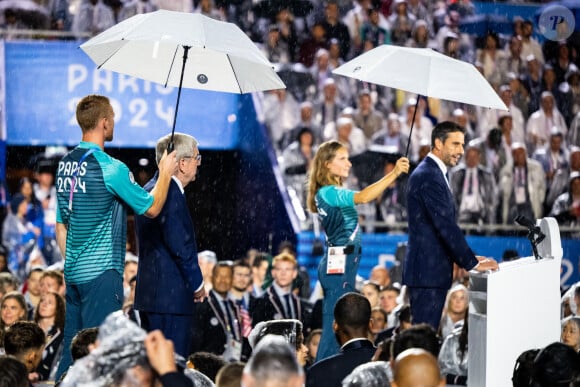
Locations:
column 486, row 264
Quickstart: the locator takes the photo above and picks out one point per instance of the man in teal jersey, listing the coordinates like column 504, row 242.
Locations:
column 93, row 190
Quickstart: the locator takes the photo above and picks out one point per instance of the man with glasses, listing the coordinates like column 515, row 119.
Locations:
column 169, row 280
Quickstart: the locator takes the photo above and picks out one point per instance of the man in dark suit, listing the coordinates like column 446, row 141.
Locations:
column 217, row 319
column 278, row 302
column 435, row 239
column 169, row 280
column 352, row 315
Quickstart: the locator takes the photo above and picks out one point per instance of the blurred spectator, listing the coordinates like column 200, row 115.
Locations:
column 573, row 81
column 207, row 363
column 390, row 136
column 561, row 92
column 366, row 117
column 513, row 61
column 311, row 343
column 274, row 48
column 532, row 82
column 529, row 44
column 130, row 271
column 241, row 296
column 4, row 260
column 543, row 121
column 571, row 332
column 310, row 46
column 297, row 158
column 273, row 362
column 12, row 310
column 281, row 114
column 176, row 5
column 473, row 188
column 460, row 117
column 49, row 316
column 561, row 178
column 52, row 281
column 372, row 34
column 555, row 365
column 456, row 305
column 401, row 22
column 25, row 341
column 32, row 294
column 13, row 373
column 380, row 276
column 372, row 374
column 208, row 8
column 422, row 127
column 417, row 367
column 290, row 329
column 335, row 28
column 352, row 314
column 230, row 375
column 8, row 283
column 329, row 106
column 392, row 204
column 553, row 156
column 18, row 235
column 307, row 121
column 490, row 117
column 93, row 17
column 491, row 58
column 35, row 211
column 351, row 137
column 136, row 7
column 566, row 208
column 207, row 260
column 522, row 187
column 453, row 357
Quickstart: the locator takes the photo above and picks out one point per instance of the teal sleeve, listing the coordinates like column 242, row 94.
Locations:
column 120, row 181
column 58, row 216
column 337, row 196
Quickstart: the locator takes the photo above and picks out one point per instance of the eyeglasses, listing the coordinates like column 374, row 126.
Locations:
column 196, row 157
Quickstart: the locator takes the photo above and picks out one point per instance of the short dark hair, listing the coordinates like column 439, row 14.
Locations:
column 22, row 337
column 230, row 374
column 522, row 375
column 555, row 366
column 79, row 347
column 207, row 363
column 421, row 336
column 12, row 373
column 352, row 310
column 441, row 131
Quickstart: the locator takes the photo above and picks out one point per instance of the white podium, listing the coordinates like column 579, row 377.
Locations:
column 514, row 309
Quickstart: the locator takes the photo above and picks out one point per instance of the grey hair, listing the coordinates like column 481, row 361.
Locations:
column 183, row 145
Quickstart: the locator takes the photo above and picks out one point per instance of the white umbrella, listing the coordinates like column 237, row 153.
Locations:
column 425, row 72
column 216, row 56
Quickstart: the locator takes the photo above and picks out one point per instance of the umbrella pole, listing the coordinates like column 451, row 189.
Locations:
column 170, row 145
column 412, row 124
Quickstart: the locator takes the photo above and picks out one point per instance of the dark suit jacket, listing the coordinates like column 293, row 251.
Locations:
column 210, row 326
column 269, row 307
column 435, row 239
column 330, row 371
column 168, row 273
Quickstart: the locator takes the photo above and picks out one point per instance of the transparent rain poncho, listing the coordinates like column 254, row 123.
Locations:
column 120, row 348
column 287, row 328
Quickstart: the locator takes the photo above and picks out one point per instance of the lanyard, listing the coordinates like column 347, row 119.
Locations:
column 75, row 175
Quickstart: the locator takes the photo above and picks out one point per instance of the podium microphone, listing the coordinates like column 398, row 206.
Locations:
column 535, row 235
column 531, row 226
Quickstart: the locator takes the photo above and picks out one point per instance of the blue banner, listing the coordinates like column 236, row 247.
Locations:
column 381, row 248
column 45, row 80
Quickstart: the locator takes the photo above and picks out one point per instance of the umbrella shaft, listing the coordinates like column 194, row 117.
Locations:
column 185, row 51
column 412, row 124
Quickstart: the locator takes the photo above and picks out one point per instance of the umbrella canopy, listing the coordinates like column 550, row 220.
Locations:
column 149, row 46
column 425, row 72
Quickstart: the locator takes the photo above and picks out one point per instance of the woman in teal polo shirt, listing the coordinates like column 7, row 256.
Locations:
column 336, row 207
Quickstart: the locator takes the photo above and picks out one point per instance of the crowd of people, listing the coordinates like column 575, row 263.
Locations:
column 380, row 345
column 183, row 310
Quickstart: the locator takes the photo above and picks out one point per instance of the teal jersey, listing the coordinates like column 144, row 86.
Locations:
column 97, row 223
column 337, row 210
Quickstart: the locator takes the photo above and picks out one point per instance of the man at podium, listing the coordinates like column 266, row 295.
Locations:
column 435, row 239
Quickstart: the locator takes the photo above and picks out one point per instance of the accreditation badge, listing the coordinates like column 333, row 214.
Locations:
column 336, row 262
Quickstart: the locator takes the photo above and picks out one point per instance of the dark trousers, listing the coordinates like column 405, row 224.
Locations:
column 427, row 305
column 87, row 306
column 176, row 327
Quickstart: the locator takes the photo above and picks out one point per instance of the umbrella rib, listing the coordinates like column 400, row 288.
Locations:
column 235, row 75
column 110, row 56
column 171, row 66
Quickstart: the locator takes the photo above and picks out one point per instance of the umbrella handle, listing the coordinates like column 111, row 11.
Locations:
column 412, row 124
